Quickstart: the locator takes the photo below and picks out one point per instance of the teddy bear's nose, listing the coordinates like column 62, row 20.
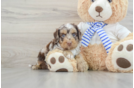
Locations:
column 99, row 9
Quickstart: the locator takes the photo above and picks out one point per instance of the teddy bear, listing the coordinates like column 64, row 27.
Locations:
column 106, row 44
column 57, row 61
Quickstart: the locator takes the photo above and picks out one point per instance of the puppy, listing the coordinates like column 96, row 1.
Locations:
column 67, row 38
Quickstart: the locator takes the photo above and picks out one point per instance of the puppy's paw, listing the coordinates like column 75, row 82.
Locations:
column 122, row 57
column 82, row 66
column 68, row 54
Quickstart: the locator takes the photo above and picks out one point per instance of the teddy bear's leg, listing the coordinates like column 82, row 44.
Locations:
column 120, row 57
column 57, row 62
column 95, row 55
column 81, row 63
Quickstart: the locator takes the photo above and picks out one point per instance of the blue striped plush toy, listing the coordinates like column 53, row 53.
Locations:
column 96, row 27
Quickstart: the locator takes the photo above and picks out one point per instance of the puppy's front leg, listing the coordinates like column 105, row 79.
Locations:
column 81, row 63
column 68, row 54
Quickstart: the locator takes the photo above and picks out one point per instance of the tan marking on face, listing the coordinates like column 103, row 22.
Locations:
column 69, row 39
column 63, row 31
column 73, row 30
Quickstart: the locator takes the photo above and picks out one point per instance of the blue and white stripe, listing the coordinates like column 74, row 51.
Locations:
column 96, row 27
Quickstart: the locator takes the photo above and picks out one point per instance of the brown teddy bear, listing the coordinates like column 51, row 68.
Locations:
column 106, row 45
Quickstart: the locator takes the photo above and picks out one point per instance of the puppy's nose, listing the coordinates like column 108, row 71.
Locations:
column 69, row 43
column 99, row 9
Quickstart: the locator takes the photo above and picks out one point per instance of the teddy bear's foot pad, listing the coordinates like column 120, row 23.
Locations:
column 62, row 70
column 122, row 56
column 123, row 63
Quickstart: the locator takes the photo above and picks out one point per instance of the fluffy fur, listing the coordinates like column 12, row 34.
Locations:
column 119, row 9
column 82, row 65
column 72, row 61
column 67, row 38
column 109, row 63
column 95, row 54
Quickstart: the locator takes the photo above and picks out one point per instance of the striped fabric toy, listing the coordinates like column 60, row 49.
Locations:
column 97, row 27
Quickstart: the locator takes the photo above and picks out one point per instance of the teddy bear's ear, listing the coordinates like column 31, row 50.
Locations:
column 82, row 10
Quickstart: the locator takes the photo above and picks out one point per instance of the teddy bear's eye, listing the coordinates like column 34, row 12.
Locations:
column 92, row 0
column 110, row 1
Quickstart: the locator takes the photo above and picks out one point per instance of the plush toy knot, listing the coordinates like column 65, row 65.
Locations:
column 96, row 27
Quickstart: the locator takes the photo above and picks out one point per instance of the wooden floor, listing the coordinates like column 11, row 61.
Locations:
column 27, row 78
column 27, row 25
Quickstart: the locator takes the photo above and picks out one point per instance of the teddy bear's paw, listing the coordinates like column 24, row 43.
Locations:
column 122, row 57
column 59, row 63
column 82, row 66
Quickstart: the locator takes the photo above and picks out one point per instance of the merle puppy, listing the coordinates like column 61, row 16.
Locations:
column 67, row 37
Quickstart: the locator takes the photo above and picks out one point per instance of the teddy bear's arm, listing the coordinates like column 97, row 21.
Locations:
column 83, row 26
column 121, row 32
column 81, row 63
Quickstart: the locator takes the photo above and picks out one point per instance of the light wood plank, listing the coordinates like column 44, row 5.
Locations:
column 37, row 15
column 28, row 16
column 19, row 50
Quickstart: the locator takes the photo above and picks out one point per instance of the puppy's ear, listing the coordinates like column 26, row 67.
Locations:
column 55, row 33
column 56, row 36
column 79, row 34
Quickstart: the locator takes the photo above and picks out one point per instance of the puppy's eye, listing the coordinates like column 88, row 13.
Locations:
column 74, row 34
column 63, row 35
column 109, row 1
column 93, row 0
